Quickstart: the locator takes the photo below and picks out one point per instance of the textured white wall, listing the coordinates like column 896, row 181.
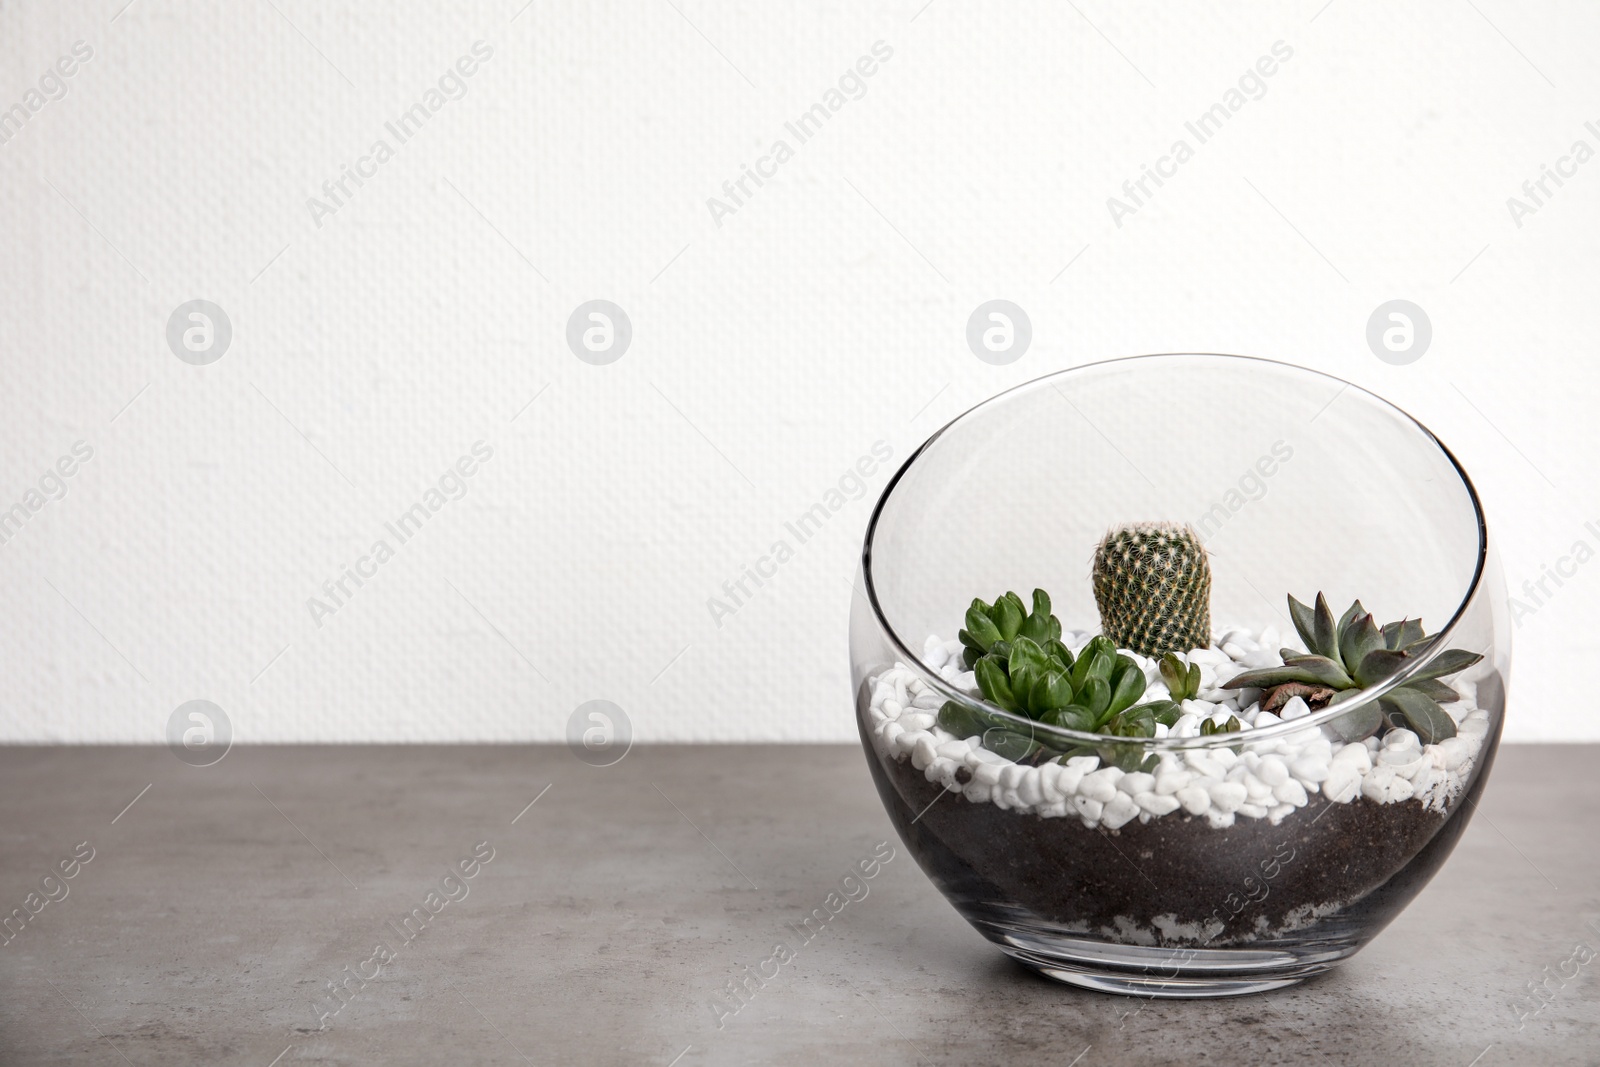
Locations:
column 377, row 339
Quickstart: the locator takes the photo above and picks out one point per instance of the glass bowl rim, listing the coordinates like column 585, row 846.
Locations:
column 1077, row 737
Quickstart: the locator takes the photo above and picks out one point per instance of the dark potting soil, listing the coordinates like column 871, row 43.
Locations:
column 1362, row 861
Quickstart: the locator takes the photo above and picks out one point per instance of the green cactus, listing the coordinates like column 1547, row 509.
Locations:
column 1152, row 584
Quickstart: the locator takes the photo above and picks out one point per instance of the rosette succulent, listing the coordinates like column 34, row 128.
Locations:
column 1022, row 667
column 1352, row 654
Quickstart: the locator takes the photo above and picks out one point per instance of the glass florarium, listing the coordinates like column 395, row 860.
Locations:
column 1180, row 675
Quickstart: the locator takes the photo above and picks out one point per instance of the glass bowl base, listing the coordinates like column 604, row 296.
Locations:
column 1167, row 973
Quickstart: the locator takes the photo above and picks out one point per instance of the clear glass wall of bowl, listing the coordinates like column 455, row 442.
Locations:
column 1297, row 483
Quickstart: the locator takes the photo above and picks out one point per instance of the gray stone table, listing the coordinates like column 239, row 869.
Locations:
column 217, row 909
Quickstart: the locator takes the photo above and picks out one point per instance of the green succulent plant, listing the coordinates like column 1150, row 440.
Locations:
column 1022, row 667
column 1183, row 679
column 1152, row 583
column 1352, row 654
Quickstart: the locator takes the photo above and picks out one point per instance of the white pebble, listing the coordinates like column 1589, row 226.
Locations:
column 922, row 750
column 892, row 734
column 1069, row 780
column 1119, row 811
column 1405, row 761
column 1083, row 763
column 1011, row 775
column 1136, row 783
column 1273, row 771
column 1028, row 791
column 1309, row 769
column 1170, row 780
column 917, row 720
column 1401, row 739
column 1355, row 755
column 1290, row 792
column 1088, row 808
column 977, row 792
column 1276, row 814
column 1195, row 801
column 1049, row 775
column 956, row 750
column 1473, row 728
column 934, row 654
column 1252, row 811
column 1220, row 820
column 1296, row 708
column 1453, row 751
column 1156, row 804
column 1227, row 796
column 1101, row 785
column 1342, row 784
column 987, row 773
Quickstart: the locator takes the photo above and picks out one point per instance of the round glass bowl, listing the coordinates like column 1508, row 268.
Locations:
column 1181, row 865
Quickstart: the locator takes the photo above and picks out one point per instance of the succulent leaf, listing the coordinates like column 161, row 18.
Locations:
column 1403, row 634
column 1051, row 690
column 1321, row 668
column 1007, row 617
column 994, row 683
column 1026, row 653
column 1096, row 696
column 1209, row 726
column 1165, row 712
column 1431, row 722
column 1435, row 690
column 980, row 626
column 1268, row 677
column 1013, row 746
column 1360, row 723
column 1061, row 654
column 1324, row 631
column 1304, row 623
column 1378, row 665
column 1351, row 614
column 1449, row 661
column 1183, row 679
column 1359, row 637
column 962, row 720
column 1129, row 687
column 1070, row 717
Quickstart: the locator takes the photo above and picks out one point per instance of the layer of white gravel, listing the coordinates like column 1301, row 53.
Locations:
column 1266, row 779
